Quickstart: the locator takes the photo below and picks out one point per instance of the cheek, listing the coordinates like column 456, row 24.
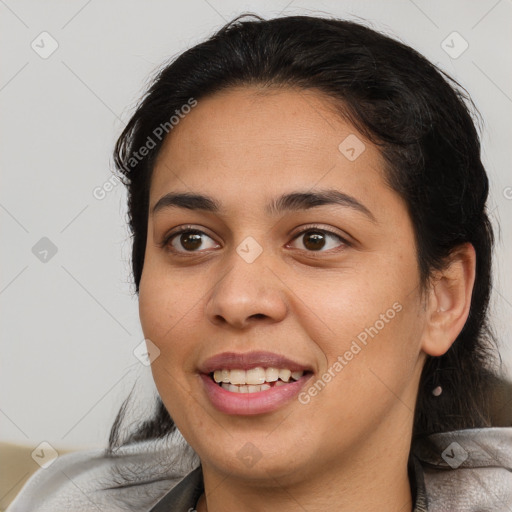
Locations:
column 163, row 321
column 168, row 309
column 371, row 349
column 369, row 318
column 164, row 300
column 156, row 308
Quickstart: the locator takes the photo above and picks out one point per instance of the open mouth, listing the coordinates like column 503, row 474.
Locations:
column 255, row 380
column 257, row 390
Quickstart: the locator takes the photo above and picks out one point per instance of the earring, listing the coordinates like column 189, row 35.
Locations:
column 437, row 388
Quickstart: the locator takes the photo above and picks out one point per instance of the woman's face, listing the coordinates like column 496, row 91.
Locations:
column 341, row 304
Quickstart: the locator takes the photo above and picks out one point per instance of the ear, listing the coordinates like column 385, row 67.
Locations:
column 449, row 301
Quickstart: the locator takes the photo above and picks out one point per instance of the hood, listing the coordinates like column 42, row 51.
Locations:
column 464, row 470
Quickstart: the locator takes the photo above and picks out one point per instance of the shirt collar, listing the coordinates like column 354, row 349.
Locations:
column 417, row 479
column 183, row 496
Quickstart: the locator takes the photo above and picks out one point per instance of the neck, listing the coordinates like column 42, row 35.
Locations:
column 364, row 481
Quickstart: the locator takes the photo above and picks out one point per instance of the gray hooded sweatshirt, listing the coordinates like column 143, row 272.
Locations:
column 459, row 471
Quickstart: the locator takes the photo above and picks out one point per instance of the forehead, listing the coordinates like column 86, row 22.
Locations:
column 262, row 140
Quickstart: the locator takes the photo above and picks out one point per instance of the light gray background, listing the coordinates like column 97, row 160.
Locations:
column 70, row 325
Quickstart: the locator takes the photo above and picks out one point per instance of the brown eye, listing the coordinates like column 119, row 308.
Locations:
column 314, row 240
column 188, row 239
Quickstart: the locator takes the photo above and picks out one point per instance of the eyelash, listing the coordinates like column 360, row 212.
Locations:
column 165, row 243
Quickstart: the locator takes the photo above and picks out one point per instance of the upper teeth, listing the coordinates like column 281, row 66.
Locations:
column 255, row 375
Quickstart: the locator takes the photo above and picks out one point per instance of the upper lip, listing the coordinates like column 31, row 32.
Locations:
column 248, row 360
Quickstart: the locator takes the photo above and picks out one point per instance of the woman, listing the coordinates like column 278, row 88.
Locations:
column 312, row 255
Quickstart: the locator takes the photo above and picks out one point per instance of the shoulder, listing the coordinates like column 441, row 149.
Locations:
column 134, row 478
column 467, row 470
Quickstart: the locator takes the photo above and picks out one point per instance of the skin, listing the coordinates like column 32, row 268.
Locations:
column 346, row 449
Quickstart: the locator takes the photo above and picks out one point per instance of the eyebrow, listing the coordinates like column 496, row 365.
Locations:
column 287, row 202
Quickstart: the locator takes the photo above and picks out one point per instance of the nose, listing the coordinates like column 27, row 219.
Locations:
column 248, row 293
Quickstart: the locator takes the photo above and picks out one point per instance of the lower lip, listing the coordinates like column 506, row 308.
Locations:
column 259, row 402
